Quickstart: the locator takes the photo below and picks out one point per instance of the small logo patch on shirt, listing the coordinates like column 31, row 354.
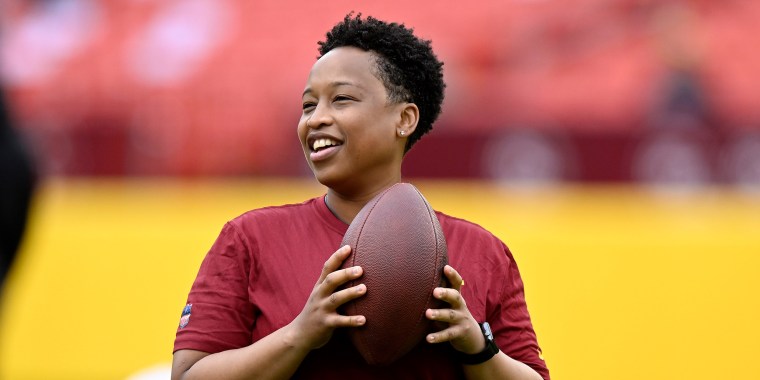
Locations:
column 185, row 319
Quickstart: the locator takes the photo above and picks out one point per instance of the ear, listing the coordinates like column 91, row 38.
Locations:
column 410, row 116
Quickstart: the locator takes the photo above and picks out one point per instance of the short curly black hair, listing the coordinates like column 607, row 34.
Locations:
column 408, row 68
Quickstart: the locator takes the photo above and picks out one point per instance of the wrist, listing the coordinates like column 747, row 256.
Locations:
column 488, row 349
column 293, row 339
column 478, row 342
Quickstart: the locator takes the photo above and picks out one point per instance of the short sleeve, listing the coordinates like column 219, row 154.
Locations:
column 510, row 320
column 218, row 315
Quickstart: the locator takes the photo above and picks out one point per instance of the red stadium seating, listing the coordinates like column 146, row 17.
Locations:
column 208, row 87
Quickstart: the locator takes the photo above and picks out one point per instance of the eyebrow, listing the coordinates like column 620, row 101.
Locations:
column 333, row 85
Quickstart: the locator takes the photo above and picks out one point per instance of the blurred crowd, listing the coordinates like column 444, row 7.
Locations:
column 582, row 90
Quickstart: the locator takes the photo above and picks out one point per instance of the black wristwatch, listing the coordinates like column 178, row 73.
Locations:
column 488, row 352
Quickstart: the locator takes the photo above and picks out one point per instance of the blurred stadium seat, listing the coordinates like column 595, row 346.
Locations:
column 205, row 87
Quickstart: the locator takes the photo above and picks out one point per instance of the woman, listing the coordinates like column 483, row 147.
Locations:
column 254, row 310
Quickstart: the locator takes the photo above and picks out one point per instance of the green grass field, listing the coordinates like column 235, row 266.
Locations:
column 622, row 283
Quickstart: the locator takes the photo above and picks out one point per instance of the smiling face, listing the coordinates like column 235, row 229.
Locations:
column 349, row 131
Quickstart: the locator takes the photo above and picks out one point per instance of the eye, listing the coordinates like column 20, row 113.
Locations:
column 342, row 98
column 308, row 105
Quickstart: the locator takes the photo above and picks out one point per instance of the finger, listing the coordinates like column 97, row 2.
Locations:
column 346, row 320
column 455, row 279
column 335, row 279
column 334, row 262
column 451, row 296
column 465, row 336
column 339, row 298
column 442, row 336
column 443, row 315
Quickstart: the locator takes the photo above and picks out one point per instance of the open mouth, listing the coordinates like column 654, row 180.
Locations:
column 322, row 144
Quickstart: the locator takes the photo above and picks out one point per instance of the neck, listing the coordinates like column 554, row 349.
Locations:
column 345, row 207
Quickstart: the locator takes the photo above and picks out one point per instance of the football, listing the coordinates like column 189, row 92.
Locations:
column 397, row 239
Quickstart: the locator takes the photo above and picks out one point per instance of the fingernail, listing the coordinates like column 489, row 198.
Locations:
column 356, row 270
column 361, row 320
column 345, row 248
column 360, row 289
column 431, row 338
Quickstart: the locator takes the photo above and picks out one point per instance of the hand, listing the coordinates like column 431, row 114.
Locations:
column 314, row 326
column 463, row 331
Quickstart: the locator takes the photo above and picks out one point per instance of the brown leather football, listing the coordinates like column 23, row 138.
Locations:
column 397, row 240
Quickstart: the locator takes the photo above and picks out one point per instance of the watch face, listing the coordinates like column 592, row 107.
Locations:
column 486, row 330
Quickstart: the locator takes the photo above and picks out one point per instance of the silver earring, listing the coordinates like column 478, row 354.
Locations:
column 402, row 133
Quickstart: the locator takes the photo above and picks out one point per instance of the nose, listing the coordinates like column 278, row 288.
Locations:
column 319, row 117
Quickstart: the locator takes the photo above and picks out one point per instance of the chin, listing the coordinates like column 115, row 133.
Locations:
column 332, row 180
column 325, row 177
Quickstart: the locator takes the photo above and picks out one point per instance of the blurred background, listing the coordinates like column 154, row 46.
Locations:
column 613, row 144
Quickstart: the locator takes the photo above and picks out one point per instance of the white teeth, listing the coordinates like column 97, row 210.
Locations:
column 321, row 143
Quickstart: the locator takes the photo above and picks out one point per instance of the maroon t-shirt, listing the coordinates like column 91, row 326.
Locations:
column 263, row 266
